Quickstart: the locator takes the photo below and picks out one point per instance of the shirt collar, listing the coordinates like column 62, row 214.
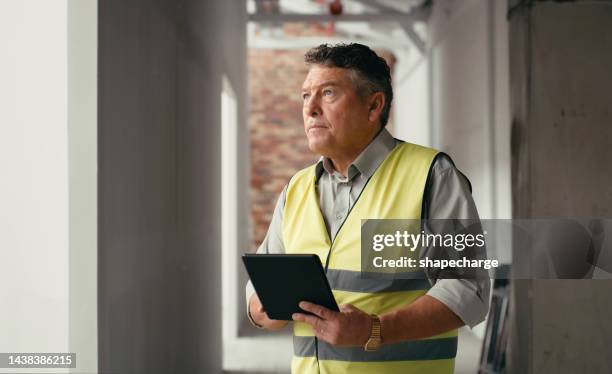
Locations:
column 368, row 160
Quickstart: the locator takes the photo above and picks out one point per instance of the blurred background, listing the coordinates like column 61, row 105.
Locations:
column 145, row 142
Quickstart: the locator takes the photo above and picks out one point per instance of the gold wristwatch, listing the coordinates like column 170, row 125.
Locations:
column 375, row 341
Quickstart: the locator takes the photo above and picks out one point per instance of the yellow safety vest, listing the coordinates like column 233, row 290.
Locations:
column 395, row 191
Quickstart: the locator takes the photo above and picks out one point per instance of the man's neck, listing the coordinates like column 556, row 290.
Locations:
column 342, row 165
column 342, row 162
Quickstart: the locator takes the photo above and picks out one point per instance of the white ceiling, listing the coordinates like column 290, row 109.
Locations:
column 396, row 25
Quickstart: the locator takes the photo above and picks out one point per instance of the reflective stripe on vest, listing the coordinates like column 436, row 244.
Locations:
column 395, row 191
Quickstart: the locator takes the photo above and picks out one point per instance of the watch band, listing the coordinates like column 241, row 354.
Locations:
column 375, row 340
column 375, row 326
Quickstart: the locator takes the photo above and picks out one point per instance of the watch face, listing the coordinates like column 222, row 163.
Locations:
column 372, row 344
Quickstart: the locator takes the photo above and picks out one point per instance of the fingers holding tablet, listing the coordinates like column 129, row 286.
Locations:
column 260, row 316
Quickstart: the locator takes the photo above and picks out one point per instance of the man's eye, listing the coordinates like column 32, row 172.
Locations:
column 305, row 96
column 327, row 92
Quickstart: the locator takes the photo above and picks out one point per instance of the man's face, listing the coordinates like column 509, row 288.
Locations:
column 335, row 117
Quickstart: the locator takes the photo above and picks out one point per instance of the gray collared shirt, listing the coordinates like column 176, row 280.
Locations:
column 448, row 196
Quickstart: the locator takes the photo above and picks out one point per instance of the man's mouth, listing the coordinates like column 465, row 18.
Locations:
column 316, row 127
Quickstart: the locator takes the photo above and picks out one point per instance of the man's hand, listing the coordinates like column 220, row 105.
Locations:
column 261, row 318
column 350, row 327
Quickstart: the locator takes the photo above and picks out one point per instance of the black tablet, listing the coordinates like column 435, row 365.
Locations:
column 282, row 281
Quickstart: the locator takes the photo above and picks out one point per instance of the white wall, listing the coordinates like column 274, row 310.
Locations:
column 502, row 119
column 48, row 178
column 34, row 177
column 468, row 56
column 161, row 65
column 461, row 107
column 411, row 98
column 83, row 181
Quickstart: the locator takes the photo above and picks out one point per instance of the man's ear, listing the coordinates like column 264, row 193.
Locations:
column 377, row 103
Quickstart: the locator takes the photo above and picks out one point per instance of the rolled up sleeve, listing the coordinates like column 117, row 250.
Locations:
column 464, row 297
column 449, row 197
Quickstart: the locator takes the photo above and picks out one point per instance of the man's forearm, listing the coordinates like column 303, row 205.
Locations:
column 423, row 318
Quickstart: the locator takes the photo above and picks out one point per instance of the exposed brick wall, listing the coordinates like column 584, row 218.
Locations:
column 278, row 143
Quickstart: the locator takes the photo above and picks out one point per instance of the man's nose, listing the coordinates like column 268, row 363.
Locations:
column 313, row 106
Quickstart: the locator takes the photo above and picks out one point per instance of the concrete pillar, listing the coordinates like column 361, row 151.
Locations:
column 560, row 58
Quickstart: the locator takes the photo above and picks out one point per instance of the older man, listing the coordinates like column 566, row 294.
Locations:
column 363, row 173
